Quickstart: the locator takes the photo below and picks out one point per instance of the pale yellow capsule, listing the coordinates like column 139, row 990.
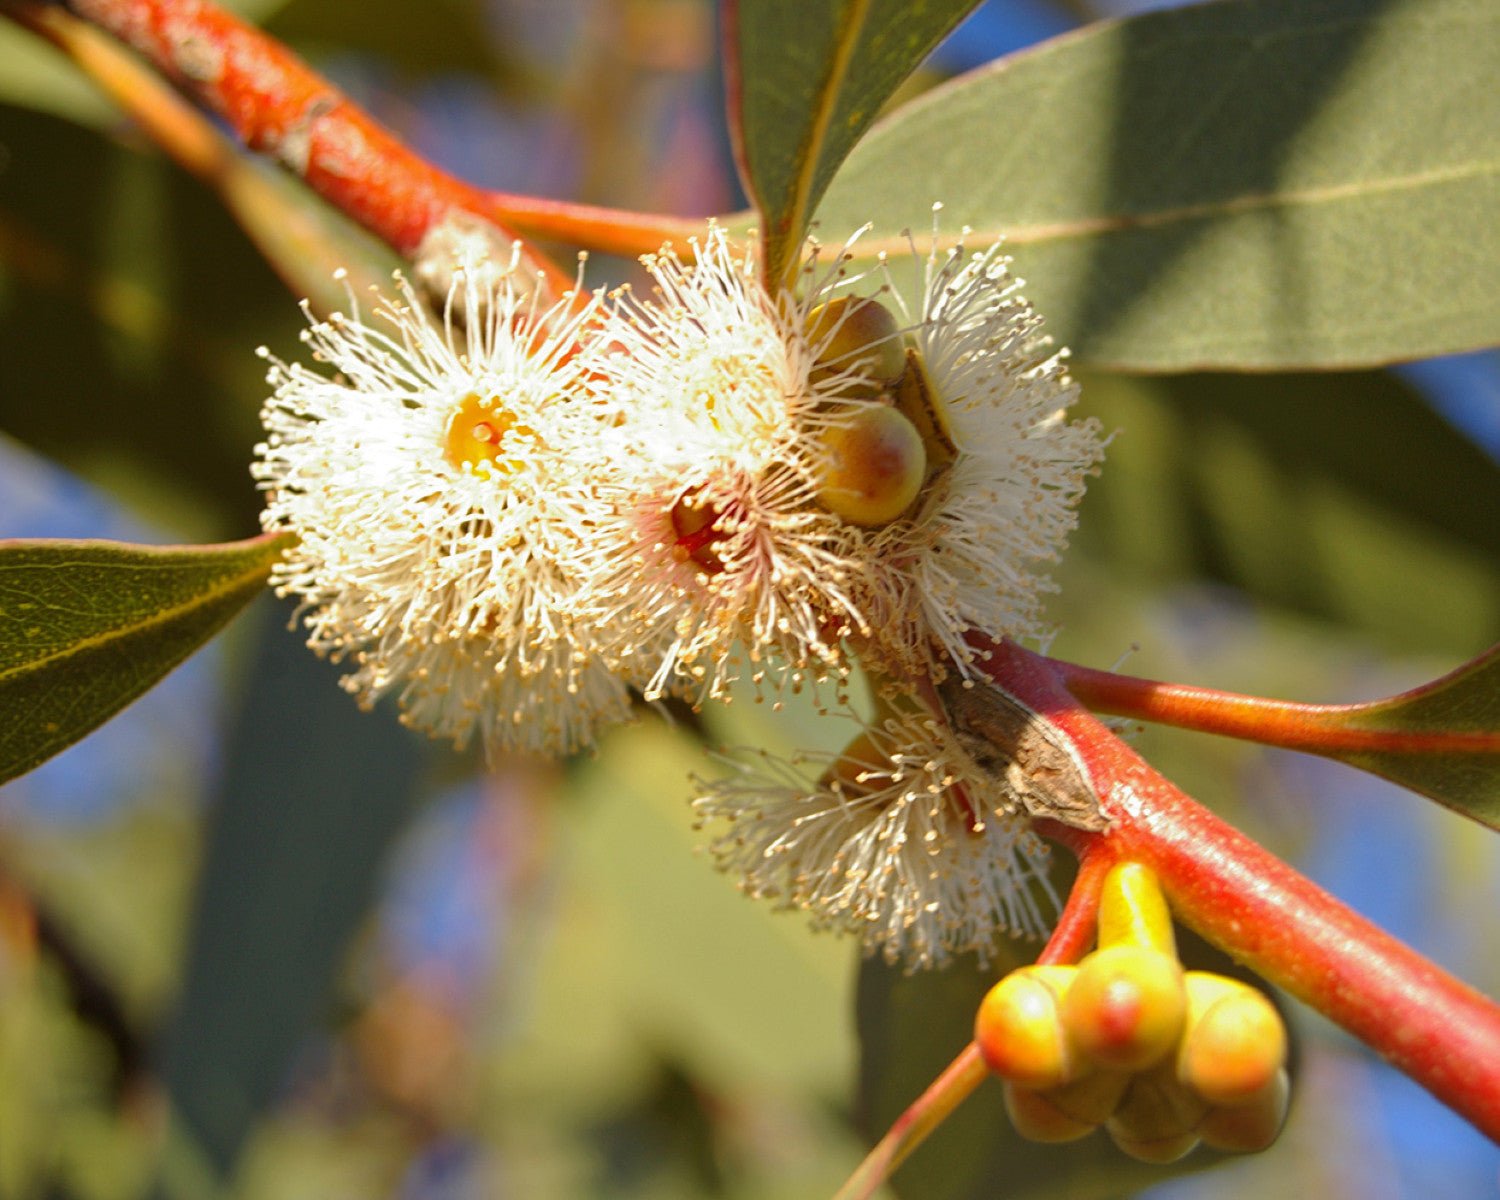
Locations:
column 873, row 465
column 856, row 335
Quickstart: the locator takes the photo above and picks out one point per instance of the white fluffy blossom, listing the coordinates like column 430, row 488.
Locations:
column 972, row 553
column 901, row 841
column 439, row 479
column 721, row 560
column 509, row 514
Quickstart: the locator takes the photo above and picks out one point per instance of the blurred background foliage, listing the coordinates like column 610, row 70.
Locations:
column 249, row 934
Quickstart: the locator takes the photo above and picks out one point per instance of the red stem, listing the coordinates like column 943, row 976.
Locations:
column 279, row 106
column 1076, row 924
column 1315, row 728
column 611, row 230
column 1436, row 1029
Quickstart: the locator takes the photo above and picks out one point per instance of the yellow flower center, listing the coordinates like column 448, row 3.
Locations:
column 486, row 437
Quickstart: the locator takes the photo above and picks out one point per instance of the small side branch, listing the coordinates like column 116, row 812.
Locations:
column 279, row 106
column 1314, row 728
column 1435, row 1028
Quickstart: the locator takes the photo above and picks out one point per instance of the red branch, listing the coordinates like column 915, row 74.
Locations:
column 1315, row 728
column 1436, row 1029
column 279, row 106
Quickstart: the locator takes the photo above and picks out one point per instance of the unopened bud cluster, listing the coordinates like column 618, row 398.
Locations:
column 1161, row 1057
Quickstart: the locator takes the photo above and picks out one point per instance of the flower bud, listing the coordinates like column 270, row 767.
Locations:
column 1252, row 1125
column 854, row 335
column 919, row 402
column 861, row 768
column 1156, row 1119
column 1019, row 1029
column 1068, row 1112
column 1126, row 1007
column 1235, row 1043
column 1160, row 1151
column 873, row 466
column 1037, row 1117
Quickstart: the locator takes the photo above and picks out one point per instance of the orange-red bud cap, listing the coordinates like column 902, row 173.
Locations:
column 1126, row 1007
column 1235, row 1043
column 1019, row 1029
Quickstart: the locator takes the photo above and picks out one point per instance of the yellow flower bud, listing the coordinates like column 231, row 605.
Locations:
column 1020, row 1032
column 1157, row 1118
column 1235, row 1043
column 873, row 466
column 1091, row 1099
column 1126, row 1007
column 1252, row 1125
column 854, row 334
column 1037, row 1117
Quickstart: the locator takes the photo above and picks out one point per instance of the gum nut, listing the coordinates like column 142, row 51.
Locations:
column 1126, row 1008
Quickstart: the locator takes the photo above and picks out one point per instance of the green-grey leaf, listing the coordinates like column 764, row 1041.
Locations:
column 1256, row 183
column 806, row 78
column 1443, row 739
column 312, row 794
column 1338, row 495
column 86, row 627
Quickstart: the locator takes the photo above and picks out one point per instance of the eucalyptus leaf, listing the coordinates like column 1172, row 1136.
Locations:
column 86, row 627
column 1248, row 184
column 806, row 78
column 1443, row 739
column 313, row 794
column 1341, row 496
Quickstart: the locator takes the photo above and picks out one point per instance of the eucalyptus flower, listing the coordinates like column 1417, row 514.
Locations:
column 901, row 841
column 439, row 472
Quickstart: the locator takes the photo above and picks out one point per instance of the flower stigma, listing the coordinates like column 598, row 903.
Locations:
column 697, row 524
